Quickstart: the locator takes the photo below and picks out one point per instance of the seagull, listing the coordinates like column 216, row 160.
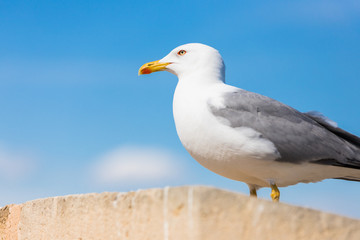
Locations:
column 249, row 137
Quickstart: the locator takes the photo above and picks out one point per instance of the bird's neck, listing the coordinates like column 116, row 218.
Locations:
column 203, row 77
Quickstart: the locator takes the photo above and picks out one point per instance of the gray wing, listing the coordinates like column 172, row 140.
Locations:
column 329, row 125
column 297, row 136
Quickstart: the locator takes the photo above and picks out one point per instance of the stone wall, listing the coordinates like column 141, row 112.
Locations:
column 190, row 213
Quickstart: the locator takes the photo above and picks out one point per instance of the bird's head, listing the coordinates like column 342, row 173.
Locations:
column 189, row 59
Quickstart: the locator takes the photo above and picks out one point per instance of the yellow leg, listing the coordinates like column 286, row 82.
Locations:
column 275, row 193
column 253, row 192
column 252, row 189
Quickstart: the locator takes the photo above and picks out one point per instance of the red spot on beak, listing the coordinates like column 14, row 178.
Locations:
column 146, row 71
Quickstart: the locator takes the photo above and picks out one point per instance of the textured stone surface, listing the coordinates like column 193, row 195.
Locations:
column 9, row 220
column 171, row 213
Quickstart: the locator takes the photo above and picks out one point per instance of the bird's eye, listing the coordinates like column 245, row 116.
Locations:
column 181, row 52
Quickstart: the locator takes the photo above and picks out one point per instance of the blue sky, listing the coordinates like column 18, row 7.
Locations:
column 76, row 118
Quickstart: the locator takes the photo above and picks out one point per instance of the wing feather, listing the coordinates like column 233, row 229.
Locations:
column 297, row 136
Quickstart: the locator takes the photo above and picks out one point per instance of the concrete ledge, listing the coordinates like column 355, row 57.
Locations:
column 190, row 213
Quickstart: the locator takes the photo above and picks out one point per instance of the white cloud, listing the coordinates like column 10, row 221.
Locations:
column 136, row 165
column 15, row 165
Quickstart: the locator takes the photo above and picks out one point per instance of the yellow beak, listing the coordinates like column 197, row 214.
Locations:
column 151, row 67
